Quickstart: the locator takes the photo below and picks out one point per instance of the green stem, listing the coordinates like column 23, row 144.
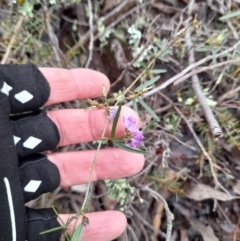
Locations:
column 92, row 168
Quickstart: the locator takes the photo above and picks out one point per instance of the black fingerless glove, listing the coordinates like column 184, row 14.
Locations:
column 24, row 174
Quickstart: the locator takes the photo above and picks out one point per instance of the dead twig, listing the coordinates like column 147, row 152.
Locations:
column 229, row 93
column 90, row 21
column 206, row 68
column 13, row 38
column 134, row 236
column 212, row 122
column 169, row 214
column 146, row 223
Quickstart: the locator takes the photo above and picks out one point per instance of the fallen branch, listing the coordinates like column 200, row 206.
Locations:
column 229, row 93
column 169, row 214
column 206, row 68
column 212, row 122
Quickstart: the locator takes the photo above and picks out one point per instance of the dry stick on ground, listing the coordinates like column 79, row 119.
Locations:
column 90, row 10
column 169, row 214
column 212, row 122
column 229, row 93
column 146, row 223
column 206, row 68
column 225, row 215
column 134, row 236
column 11, row 43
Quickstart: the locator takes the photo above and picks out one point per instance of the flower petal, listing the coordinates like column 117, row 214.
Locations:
column 130, row 124
column 137, row 139
column 113, row 113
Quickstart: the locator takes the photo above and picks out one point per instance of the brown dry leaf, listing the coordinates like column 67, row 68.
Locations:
column 202, row 192
column 158, row 219
column 206, row 231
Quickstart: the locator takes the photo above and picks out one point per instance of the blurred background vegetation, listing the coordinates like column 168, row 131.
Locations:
column 194, row 46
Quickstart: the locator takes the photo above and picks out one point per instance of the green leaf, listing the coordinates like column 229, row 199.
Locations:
column 127, row 148
column 189, row 101
column 211, row 102
column 53, row 230
column 57, row 214
column 148, row 109
column 146, row 84
column 230, row 15
column 135, row 105
column 158, row 71
column 149, row 125
column 145, row 67
column 77, row 235
column 115, row 121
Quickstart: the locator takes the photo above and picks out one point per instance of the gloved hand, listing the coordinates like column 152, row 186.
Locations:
column 25, row 174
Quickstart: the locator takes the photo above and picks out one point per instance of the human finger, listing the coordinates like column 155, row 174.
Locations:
column 74, row 84
column 78, row 126
column 111, row 163
column 103, row 226
column 40, row 132
column 28, row 89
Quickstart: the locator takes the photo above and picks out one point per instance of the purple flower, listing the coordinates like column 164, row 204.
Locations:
column 137, row 139
column 136, row 134
column 112, row 113
column 130, row 124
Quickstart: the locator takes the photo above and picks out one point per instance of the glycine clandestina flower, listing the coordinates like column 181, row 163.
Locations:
column 112, row 113
column 135, row 133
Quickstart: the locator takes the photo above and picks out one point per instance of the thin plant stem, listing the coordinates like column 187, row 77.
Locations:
column 92, row 167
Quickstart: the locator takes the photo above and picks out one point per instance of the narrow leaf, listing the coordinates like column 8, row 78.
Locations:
column 114, row 127
column 53, row 230
column 147, row 108
column 149, row 125
column 145, row 67
column 230, row 15
column 77, row 235
column 135, row 105
column 57, row 214
column 146, row 84
column 158, row 71
column 127, row 148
